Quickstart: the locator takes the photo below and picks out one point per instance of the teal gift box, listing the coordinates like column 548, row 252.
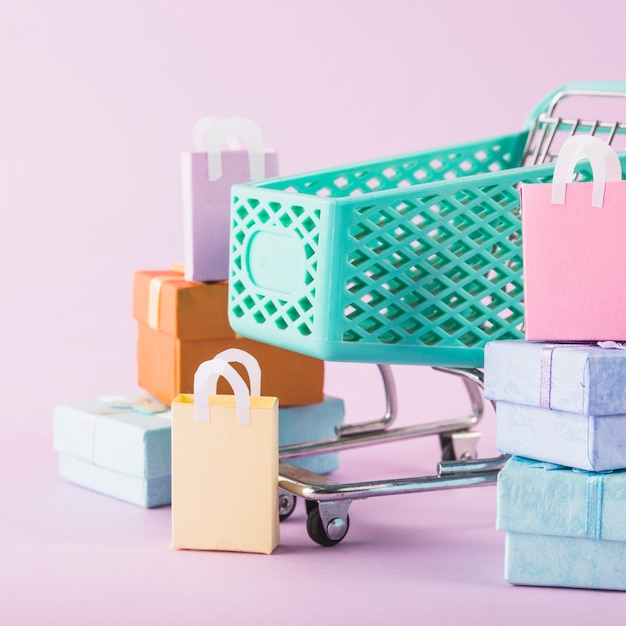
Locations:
column 564, row 527
column 122, row 447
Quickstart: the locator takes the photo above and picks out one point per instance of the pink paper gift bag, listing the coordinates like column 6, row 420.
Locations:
column 574, row 248
column 207, row 177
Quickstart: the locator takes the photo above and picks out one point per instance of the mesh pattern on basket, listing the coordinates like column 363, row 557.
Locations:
column 289, row 313
column 440, row 269
column 405, row 172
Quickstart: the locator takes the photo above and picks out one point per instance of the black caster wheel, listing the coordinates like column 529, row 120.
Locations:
column 286, row 505
column 328, row 536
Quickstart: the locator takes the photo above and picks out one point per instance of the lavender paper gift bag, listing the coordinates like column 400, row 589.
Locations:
column 207, row 177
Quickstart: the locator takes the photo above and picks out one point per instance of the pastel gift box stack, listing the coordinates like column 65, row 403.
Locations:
column 122, row 446
column 560, row 395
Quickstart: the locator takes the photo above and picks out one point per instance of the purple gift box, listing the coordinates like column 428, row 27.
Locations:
column 563, row 403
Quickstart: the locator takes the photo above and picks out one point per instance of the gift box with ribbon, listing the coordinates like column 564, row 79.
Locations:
column 182, row 324
column 563, row 403
column 564, row 527
column 117, row 446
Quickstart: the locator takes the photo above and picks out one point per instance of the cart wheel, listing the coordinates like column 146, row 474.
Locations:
column 286, row 505
column 338, row 529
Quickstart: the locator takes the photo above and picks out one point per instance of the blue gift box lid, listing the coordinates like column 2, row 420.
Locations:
column 116, row 435
column 535, row 497
column 583, row 379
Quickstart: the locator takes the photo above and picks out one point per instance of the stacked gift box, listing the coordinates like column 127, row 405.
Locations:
column 560, row 395
column 122, row 446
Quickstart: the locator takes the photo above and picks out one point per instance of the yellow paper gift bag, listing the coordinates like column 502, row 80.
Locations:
column 225, row 461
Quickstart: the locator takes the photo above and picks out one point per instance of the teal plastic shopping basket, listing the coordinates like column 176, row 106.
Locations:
column 413, row 259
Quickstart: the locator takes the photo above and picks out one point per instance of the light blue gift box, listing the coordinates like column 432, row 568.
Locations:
column 312, row 422
column 563, row 403
column 127, row 454
column 564, row 527
column 116, row 451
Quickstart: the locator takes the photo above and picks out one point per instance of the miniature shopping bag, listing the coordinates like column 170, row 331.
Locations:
column 573, row 248
column 207, row 176
column 225, row 461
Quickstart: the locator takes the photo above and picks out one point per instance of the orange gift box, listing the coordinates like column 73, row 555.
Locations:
column 182, row 324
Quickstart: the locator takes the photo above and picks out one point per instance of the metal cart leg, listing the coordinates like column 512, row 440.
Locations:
column 369, row 433
column 327, row 502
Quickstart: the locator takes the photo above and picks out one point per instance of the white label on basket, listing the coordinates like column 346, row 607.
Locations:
column 276, row 261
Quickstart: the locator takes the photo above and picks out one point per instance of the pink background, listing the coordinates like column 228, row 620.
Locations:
column 98, row 100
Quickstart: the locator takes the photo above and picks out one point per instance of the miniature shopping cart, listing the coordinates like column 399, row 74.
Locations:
column 408, row 260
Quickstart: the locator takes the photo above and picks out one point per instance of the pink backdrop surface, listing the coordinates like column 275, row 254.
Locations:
column 98, row 100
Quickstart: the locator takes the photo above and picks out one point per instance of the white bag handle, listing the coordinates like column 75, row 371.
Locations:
column 208, row 373
column 605, row 166
column 210, row 133
column 235, row 355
